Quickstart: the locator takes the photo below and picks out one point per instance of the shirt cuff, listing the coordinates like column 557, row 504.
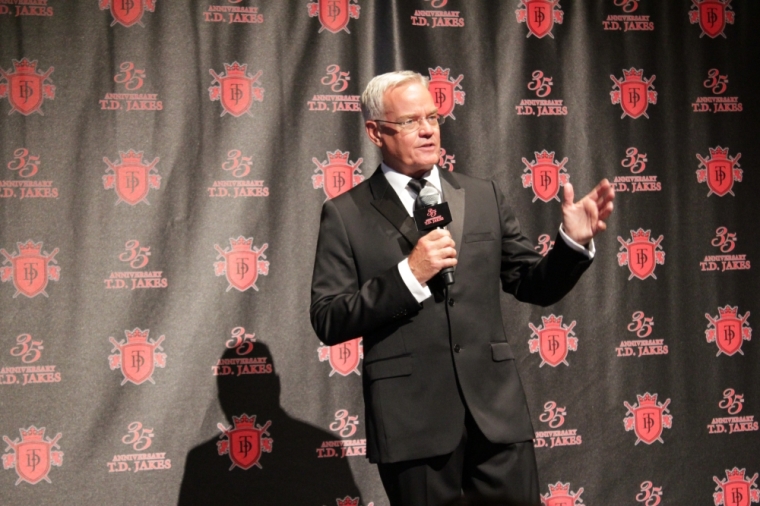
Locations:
column 589, row 251
column 418, row 291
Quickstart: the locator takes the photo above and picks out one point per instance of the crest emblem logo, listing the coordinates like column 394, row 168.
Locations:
column 344, row 357
column 553, row 340
column 137, row 357
column 633, row 93
column 641, row 254
column 545, row 176
column 337, row 175
column 242, row 263
column 245, row 442
column 348, row 501
column 648, row 418
column 30, row 269
column 131, row 177
column 446, row 93
column 236, row 90
column 128, row 12
column 712, row 16
column 736, row 489
column 719, row 171
column 728, row 330
column 540, row 16
column 560, row 495
column 334, row 14
column 32, row 456
column 25, row 88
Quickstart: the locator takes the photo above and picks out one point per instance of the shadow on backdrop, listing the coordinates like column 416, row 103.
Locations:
column 290, row 474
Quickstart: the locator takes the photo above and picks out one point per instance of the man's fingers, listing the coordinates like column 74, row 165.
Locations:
column 568, row 195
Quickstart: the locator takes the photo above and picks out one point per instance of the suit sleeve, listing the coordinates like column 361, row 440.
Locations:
column 341, row 309
column 526, row 274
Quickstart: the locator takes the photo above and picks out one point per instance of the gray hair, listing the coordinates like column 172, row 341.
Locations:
column 372, row 98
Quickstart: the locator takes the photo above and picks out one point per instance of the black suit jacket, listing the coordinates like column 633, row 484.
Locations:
column 415, row 354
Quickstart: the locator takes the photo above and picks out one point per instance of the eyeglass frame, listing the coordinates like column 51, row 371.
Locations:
column 439, row 120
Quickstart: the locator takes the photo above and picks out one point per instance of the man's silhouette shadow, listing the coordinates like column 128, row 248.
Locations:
column 290, row 474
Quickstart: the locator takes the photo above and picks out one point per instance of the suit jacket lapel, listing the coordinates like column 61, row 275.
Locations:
column 454, row 195
column 389, row 205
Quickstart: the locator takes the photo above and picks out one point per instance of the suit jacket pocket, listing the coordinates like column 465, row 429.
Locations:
column 477, row 237
column 389, row 367
column 501, row 351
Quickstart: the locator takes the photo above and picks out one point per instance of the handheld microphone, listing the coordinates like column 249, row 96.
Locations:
column 433, row 214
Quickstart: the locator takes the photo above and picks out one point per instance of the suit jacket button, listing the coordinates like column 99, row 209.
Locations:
column 451, row 302
column 457, row 348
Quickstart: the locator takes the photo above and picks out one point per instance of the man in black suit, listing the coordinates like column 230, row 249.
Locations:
column 445, row 409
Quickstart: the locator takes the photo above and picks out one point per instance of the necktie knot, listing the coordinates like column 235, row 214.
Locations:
column 417, row 185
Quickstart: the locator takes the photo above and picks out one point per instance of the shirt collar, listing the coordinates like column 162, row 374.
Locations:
column 399, row 181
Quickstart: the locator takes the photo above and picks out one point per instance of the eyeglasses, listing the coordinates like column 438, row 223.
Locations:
column 412, row 125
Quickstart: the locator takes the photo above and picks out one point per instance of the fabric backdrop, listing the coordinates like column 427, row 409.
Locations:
column 162, row 169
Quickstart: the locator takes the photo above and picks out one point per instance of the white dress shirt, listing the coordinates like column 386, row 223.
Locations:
column 399, row 182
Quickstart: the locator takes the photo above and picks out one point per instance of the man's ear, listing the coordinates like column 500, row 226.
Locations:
column 373, row 132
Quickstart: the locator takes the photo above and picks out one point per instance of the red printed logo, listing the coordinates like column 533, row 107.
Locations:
column 131, row 177
column 437, row 19
column 238, row 166
column 25, row 88
column 636, row 162
column 554, row 416
column 132, row 79
column 232, row 14
column 334, row 14
column 136, row 257
column 736, row 490
column 29, row 351
column 236, row 89
column 137, row 357
column 719, row 171
column 337, row 80
column 344, row 357
column 560, row 495
column 733, row 403
column 30, row 269
column 649, row 495
column 726, row 241
column 337, row 174
column 540, row 16
column 553, row 340
column 545, row 176
column 128, row 12
column 32, row 456
column 545, row 244
column 641, row 254
column 26, row 165
column 633, row 93
column 648, row 418
column 140, row 439
column 712, row 16
column 717, row 84
column 345, row 426
column 446, row 161
column 729, row 330
column 642, row 327
column 542, row 86
column 242, row 263
column 446, row 92
column 245, row 442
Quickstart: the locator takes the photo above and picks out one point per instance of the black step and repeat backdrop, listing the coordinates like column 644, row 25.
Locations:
column 162, row 169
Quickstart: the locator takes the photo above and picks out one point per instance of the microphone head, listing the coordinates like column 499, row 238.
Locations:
column 429, row 196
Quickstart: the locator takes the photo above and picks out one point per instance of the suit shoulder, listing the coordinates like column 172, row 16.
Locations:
column 351, row 198
column 473, row 182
